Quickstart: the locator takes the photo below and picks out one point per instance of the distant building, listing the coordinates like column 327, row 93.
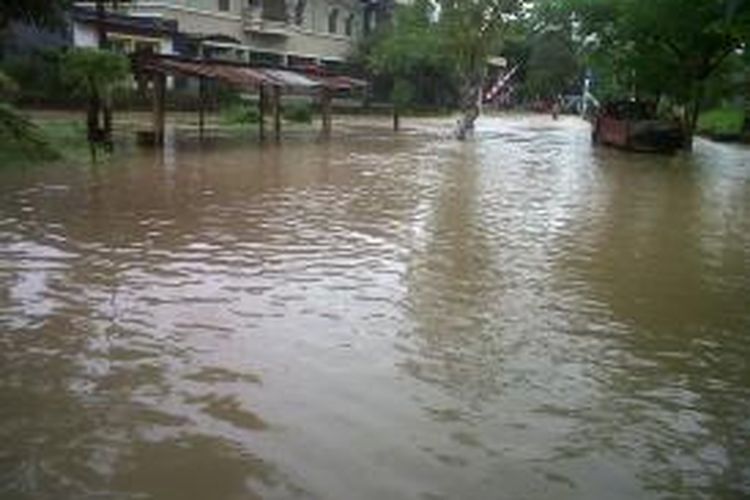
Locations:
column 79, row 29
column 125, row 33
column 288, row 32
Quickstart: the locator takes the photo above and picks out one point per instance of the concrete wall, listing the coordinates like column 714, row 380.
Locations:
column 193, row 20
column 86, row 35
column 311, row 38
column 314, row 44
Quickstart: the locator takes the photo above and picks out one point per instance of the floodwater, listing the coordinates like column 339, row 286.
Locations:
column 520, row 316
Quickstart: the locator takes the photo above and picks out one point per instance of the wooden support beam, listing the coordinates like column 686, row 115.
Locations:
column 261, row 112
column 325, row 110
column 159, row 81
column 201, row 105
column 277, row 112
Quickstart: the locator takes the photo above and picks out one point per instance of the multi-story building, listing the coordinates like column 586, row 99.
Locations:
column 279, row 31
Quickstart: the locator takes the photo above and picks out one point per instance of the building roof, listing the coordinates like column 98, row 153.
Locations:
column 123, row 23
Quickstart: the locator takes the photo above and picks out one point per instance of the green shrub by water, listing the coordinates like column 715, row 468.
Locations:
column 240, row 114
column 298, row 112
column 722, row 121
column 62, row 140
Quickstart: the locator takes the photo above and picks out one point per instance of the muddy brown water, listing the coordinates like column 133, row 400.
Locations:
column 520, row 316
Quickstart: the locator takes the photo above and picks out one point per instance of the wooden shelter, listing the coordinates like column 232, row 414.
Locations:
column 269, row 83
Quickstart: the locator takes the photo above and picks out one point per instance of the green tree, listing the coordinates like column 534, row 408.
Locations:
column 94, row 73
column 407, row 54
column 38, row 12
column 660, row 48
column 471, row 31
column 18, row 129
column 553, row 64
column 450, row 37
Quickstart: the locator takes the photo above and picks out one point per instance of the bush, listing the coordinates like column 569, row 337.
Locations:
column 39, row 77
column 90, row 71
column 19, row 135
column 240, row 114
column 722, row 121
column 298, row 112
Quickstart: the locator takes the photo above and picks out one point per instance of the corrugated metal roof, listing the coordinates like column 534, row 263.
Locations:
column 246, row 76
column 291, row 78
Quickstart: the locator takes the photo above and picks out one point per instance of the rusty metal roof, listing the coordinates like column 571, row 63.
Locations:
column 243, row 76
column 291, row 78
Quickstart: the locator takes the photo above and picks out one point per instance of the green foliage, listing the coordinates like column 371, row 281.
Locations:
column 66, row 140
column 552, row 65
column 411, row 43
column 39, row 12
column 240, row 113
column 18, row 132
column 39, row 76
column 93, row 71
column 661, row 46
column 298, row 112
column 410, row 49
column 472, row 30
column 722, row 121
column 402, row 93
column 439, row 50
column 8, row 87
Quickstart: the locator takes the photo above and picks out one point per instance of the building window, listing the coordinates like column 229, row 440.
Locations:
column 349, row 26
column 224, row 5
column 299, row 12
column 333, row 20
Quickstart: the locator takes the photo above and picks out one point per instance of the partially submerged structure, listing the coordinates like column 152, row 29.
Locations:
column 268, row 82
column 634, row 126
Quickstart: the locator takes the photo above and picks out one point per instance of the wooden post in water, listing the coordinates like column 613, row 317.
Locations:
column 325, row 110
column 201, row 105
column 277, row 112
column 159, row 81
column 261, row 112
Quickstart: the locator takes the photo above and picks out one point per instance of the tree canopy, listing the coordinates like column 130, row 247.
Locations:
column 94, row 71
column 452, row 38
column 659, row 48
column 39, row 12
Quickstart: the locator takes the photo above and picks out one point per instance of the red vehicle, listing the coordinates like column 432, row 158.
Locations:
column 633, row 125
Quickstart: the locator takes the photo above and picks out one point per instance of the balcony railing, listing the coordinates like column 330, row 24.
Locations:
column 259, row 20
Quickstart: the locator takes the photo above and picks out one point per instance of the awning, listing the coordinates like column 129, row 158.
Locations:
column 244, row 76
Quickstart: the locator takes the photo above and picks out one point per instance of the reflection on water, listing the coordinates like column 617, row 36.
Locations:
column 518, row 316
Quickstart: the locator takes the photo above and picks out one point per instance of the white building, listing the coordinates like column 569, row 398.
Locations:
column 295, row 31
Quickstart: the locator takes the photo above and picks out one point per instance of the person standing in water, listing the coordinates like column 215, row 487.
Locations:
column 556, row 107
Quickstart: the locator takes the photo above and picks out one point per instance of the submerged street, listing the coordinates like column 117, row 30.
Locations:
column 379, row 316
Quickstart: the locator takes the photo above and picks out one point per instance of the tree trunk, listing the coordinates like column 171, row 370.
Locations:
column 93, row 127
column 396, row 119
column 471, row 94
column 107, row 139
column 692, row 112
